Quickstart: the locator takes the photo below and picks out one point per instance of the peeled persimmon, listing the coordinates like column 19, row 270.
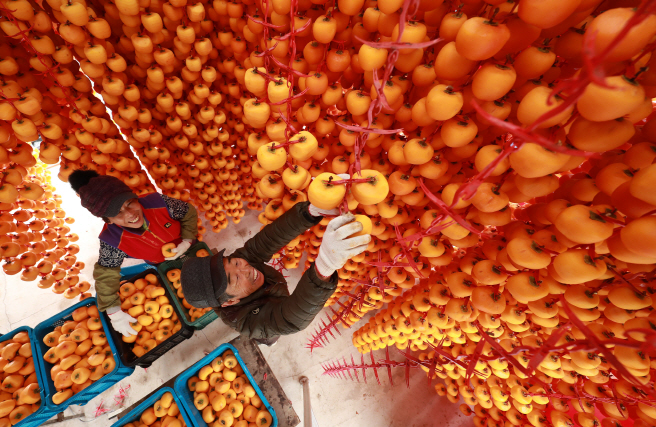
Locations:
column 270, row 157
column 373, row 191
column 492, row 81
column 527, row 287
column 576, row 266
column 620, row 97
column 606, row 26
column 538, row 102
column 628, row 298
column 638, row 236
column 479, row 39
column 533, row 160
column 325, row 195
column 451, row 65
column 583, row 224
column 443, row 102
column 546, row 14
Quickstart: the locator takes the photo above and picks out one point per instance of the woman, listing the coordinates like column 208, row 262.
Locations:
column 135, row 227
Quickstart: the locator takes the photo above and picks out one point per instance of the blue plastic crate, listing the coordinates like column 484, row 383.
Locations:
column 135, row 414
column 82, row 398
column 42, row 414
column 133, row 270
column 187, row 397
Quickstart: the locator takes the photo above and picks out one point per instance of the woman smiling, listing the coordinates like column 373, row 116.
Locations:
column 135, row 227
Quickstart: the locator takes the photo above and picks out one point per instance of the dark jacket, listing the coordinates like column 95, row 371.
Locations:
column 271, row 311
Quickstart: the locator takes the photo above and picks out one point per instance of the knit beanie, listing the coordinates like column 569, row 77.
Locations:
column 204, row 280
column 102, row 195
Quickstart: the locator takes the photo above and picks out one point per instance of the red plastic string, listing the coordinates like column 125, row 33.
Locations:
column 407, row 253
column 287, row 68
column 447, row 209
column 319, row 338
column 122, row 394
column 377, row 104
column 263, row 23
column 601, row 348
column 291, row 98
column 100, row 409
column 368, row 130
column 398, row 45
column 338, row 369
column 504, row 354
column 544, row 350
column 524, row 135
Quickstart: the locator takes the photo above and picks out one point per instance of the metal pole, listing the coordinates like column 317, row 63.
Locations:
column 307, row 408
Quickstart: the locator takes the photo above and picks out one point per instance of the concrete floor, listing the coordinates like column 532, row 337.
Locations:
column 335, row 402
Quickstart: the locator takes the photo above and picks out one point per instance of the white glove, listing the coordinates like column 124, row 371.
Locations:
column 337, row 247
column 121, row 321
column 180, row 249
column 315, row 211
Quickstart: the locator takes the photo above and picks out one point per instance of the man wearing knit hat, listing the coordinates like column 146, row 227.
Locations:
column 252, row 297
column 135, row 227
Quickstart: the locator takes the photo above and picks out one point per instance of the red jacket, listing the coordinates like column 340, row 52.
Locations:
column 145, row 244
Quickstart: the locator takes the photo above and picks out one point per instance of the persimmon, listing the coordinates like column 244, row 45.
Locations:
column 450, row 25
column 443, row 102
column 527, row 253
column 533, row 62
column 547, row 14
column 458, row 309
column 641, row 181
column 257, row 113
column 628, row 298
column 607, row 25
column 401, row 184
column 458, row 133
column 488, row 300
column 583, row 224
column 479, row 39
column 576, row 266
column 536, row 103
column 598, row 136
column 325, row 195
column 417, row 152
column 608, row 103
column 638, row 236
column 371, row 192
column 270, row 157
column 527, row 287
column 523, row 161
column 450, row 65
column 493, row 80
column 304, row 146
column 628, row 204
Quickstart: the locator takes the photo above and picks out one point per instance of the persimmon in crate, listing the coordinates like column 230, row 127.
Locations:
column 164, row 413
column 80, row 353
column 225, row 397
column 174, row 277
column 19, row 387
column 145, row 300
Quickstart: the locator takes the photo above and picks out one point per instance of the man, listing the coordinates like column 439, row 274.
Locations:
column 135, row 227
column 252, row 297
